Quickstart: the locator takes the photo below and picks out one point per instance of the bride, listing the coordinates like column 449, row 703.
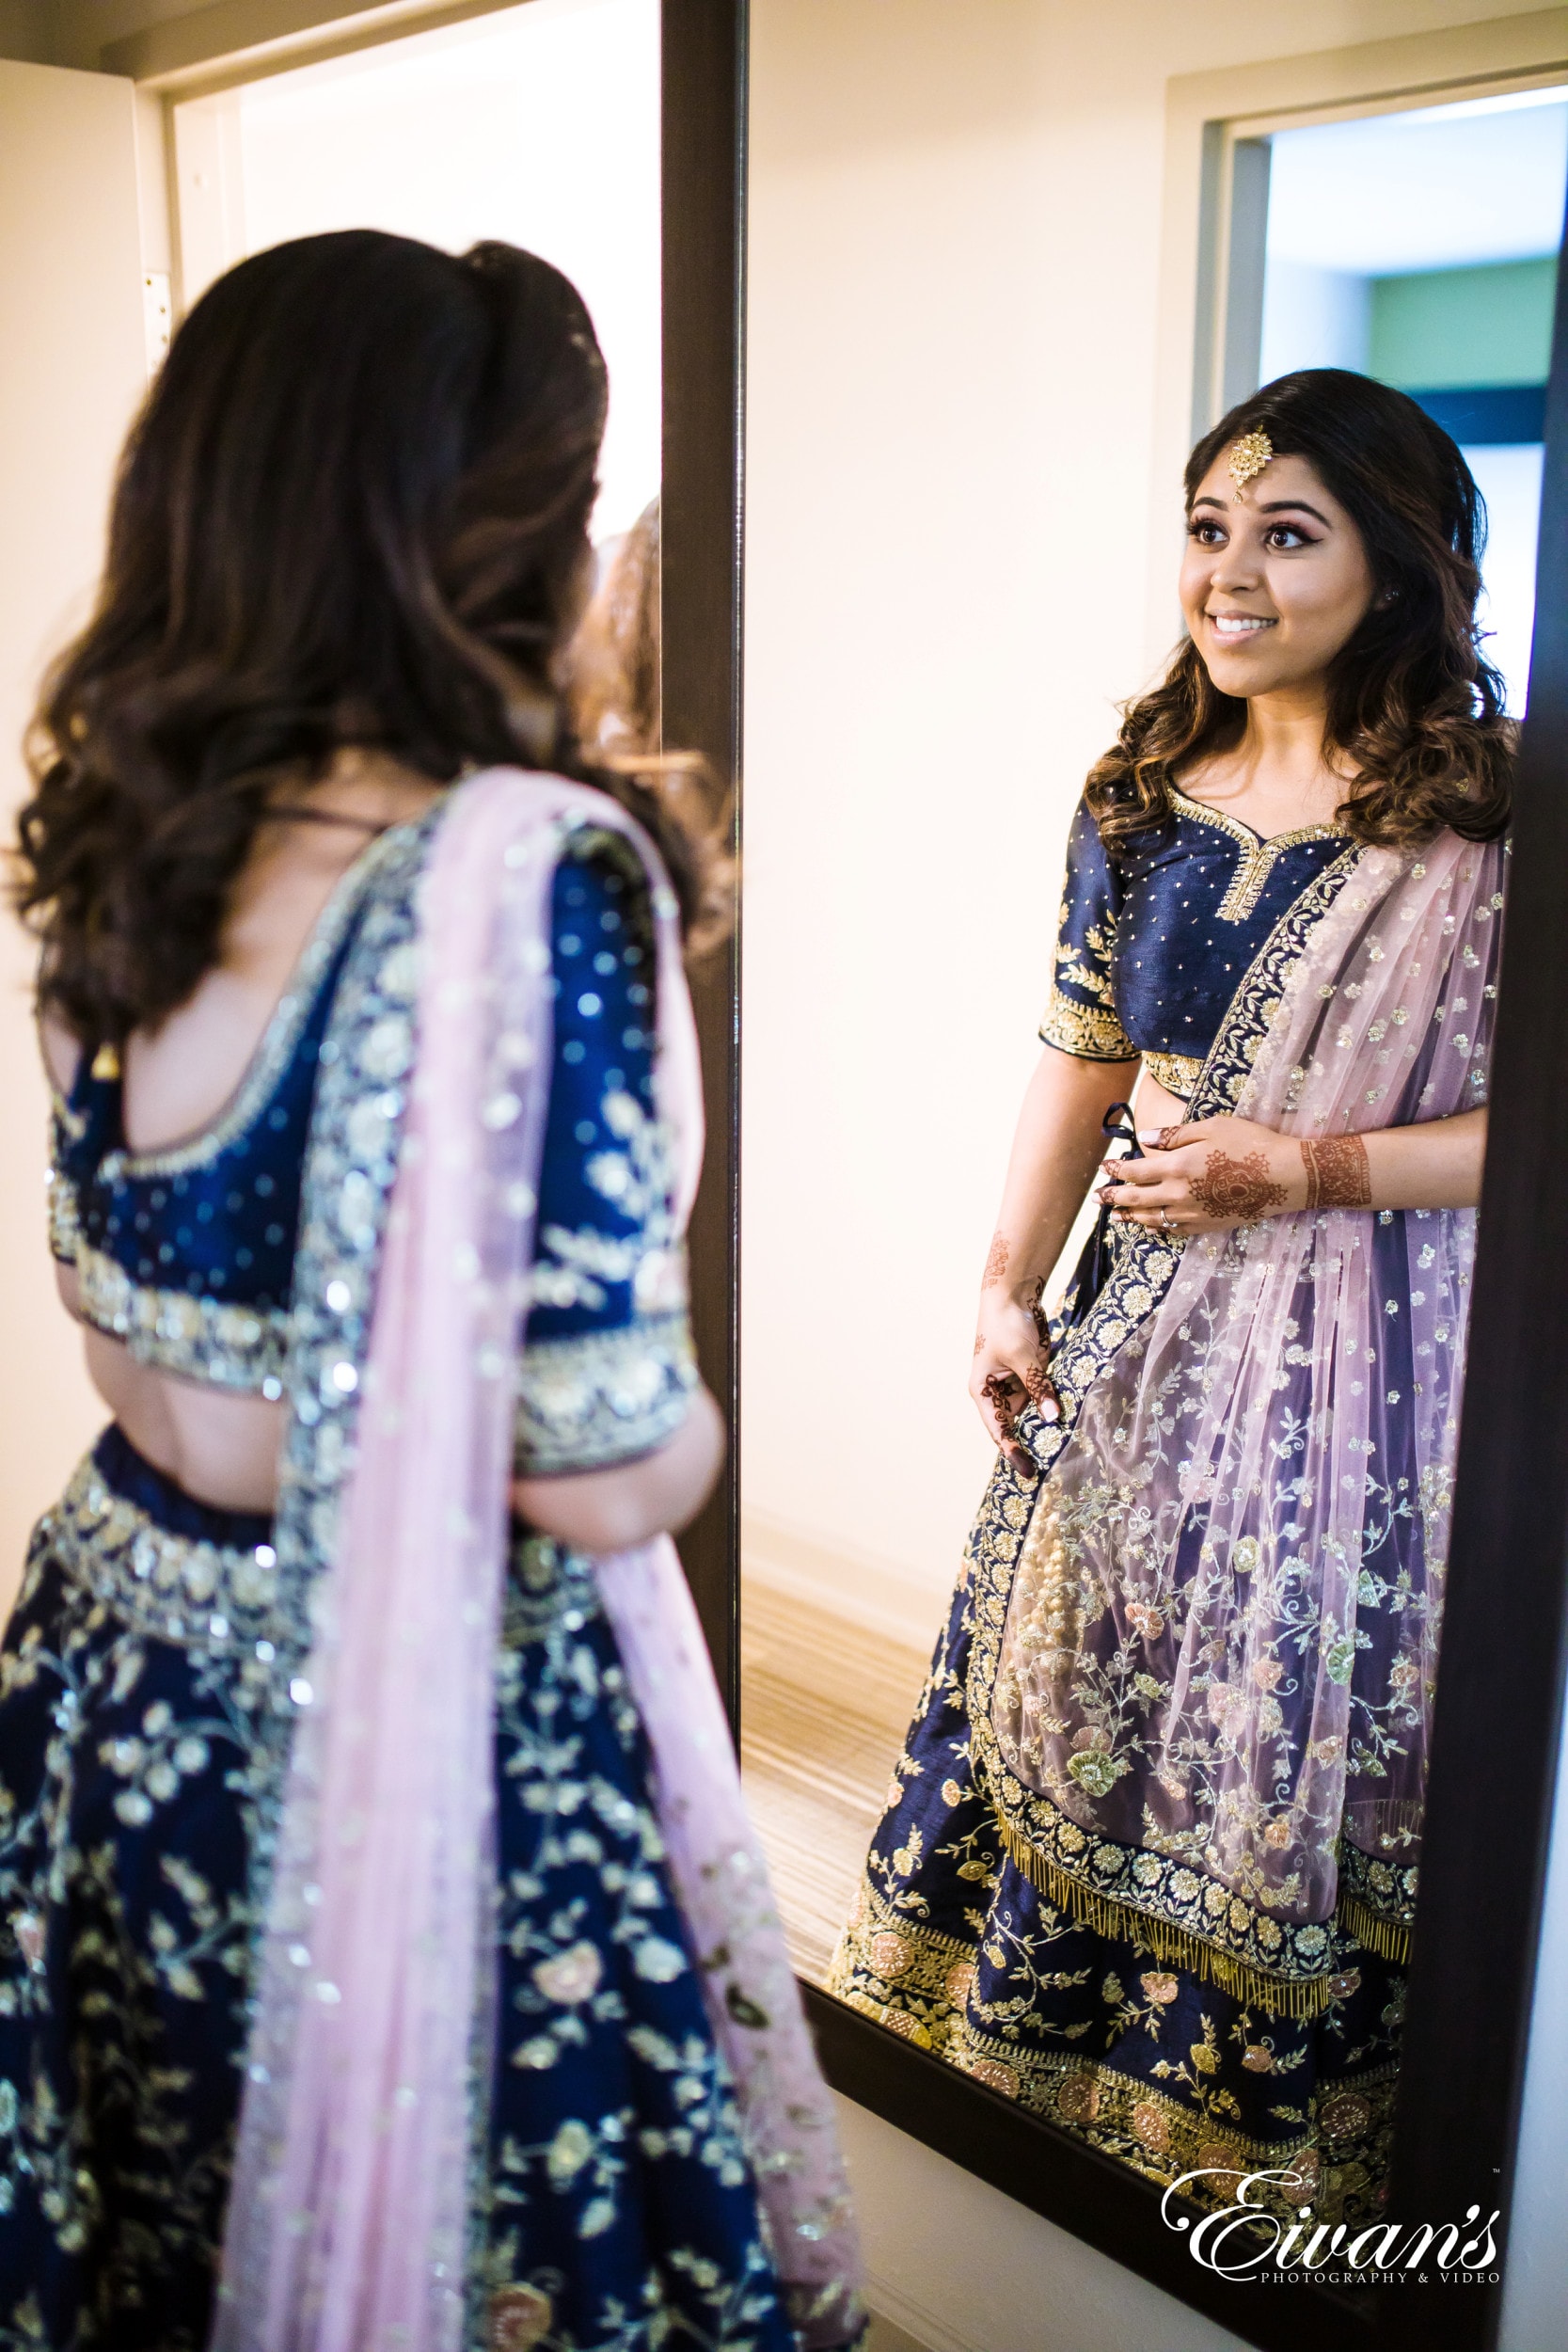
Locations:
column 1151, row 1863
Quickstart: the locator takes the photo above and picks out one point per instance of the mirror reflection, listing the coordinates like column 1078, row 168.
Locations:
column 1139, row 1845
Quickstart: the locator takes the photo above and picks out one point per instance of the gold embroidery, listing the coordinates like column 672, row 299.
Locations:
column 1298, row 1997
column 1179, row 1073
column 603, row 1396
column 1085, row 1031
column 209, row 1340
column 1074, row 971
column 1228, row 1071
column 919, row 1983
column 1377, row 1901
column 65, row 1228
column 219, row 1599
column 1257, row 861
column 1243, row 1942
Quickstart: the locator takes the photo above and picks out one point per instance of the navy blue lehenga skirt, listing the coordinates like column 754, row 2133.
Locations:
column 952, row 1945
column 138, row 1682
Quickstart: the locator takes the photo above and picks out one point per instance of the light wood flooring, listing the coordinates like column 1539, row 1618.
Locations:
column 824, row 1706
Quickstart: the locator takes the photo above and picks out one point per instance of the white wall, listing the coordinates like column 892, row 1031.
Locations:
column 73, row 369
column 965, row 2269
column 539, row 125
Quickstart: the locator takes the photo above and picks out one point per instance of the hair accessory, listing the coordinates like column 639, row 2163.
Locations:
column 1249, row 457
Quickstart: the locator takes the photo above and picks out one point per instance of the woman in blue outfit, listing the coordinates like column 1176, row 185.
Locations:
column 348, row 545
column 1150, row 1862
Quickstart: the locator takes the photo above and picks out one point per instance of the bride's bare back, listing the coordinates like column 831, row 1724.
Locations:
column 177, row 1079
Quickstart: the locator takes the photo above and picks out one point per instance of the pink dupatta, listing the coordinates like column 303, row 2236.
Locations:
column 1221, row 1644
column 364, row 2102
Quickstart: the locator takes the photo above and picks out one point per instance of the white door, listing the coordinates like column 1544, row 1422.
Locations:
column 74, row 365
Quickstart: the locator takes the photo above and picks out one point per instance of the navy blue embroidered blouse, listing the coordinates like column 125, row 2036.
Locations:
column 1155, row 937
column 187, row 1254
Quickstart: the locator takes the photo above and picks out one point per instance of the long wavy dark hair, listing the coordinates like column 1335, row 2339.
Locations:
column 1414, row 707
column 354, row 512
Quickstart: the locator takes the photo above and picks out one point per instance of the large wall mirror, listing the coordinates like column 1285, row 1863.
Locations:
column 987, row 314
column 968, row 605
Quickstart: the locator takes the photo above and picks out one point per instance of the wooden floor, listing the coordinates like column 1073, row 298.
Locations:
column 824, row 1706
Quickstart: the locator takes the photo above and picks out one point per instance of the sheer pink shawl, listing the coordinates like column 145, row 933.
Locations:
column 1211, row 1652
column 365, row 2094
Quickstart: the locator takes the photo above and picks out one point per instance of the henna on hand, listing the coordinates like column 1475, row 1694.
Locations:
column 979, row 1341
column 997, row 1261
column 997, row 1390
column 1337, row 1173
column 1236, row 1191
column 1036, row 1311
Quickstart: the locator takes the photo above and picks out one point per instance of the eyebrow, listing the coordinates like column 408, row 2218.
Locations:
column 1273, row 506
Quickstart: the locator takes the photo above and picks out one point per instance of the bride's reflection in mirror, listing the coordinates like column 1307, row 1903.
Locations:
column 1149, row 1861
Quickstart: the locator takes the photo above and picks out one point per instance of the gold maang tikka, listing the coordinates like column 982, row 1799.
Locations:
column 1248, row 457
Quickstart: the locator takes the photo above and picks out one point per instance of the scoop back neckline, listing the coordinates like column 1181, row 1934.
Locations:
column 280, row 1032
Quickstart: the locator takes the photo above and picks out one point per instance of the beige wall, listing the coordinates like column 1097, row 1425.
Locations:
column 81, row 29
column 970, row 335
column 71, row 333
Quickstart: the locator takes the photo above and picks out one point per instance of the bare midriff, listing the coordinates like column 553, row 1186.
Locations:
column 220, row 1448
column 1155, row 1106
column 217, row 1446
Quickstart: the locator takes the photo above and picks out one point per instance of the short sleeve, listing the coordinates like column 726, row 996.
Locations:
column 1080, row 1018
column 65, row 1225
column 607, row 1367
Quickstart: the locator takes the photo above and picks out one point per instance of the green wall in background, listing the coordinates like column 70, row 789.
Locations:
column 1443, row 329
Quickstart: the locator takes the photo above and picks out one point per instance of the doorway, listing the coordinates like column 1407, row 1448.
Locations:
column 1421, row 249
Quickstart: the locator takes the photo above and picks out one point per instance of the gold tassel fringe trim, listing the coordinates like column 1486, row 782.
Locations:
column 1300, row 1997
column 1388, row 1938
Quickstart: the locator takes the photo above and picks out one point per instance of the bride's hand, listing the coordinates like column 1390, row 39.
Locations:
column 1008, row 1370
column 1206, row 1177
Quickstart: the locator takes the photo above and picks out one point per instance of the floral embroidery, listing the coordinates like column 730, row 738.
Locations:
column 145, row 1703
column 1089, row 1031
column 1127, row 1994
column 1179, row 1073
column 603, row 1396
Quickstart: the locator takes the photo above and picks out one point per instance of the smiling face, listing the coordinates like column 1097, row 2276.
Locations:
column 1276, row 580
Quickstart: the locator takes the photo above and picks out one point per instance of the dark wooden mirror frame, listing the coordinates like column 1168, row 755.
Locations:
column 1473, row 1971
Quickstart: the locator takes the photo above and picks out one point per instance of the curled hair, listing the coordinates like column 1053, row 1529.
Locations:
column 1414, row 705
column 352, row 512
column 615, row 658
column 614, row 687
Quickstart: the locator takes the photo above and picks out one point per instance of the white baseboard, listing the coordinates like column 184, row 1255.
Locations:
column 887, row 2336
column 908, row 2323
column 842, row 1583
